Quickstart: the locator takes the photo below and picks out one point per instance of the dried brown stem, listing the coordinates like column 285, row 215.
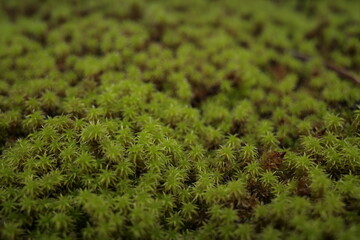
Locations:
column 338, row 69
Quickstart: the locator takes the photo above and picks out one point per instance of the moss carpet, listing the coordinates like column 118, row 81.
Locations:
column 179, row 119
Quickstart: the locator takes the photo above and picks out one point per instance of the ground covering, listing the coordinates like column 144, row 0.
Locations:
column 179, row 119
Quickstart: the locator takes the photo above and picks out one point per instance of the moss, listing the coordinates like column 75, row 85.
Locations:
column 179, row 120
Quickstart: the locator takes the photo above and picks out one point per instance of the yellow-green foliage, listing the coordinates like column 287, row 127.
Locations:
column 178, row 119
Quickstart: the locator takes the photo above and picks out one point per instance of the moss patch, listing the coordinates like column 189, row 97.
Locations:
column 179, row 119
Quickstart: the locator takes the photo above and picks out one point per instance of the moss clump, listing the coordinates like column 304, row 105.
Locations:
column 179, row 120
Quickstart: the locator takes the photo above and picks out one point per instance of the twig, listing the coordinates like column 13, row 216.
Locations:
column 343, row 72
column 339, row 70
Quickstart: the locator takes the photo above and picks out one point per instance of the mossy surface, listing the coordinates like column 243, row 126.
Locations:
column 179, row 119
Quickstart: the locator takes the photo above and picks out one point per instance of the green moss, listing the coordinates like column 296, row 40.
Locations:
column 179, row 119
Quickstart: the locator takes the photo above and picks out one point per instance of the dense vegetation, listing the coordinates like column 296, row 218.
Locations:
column 179, row 119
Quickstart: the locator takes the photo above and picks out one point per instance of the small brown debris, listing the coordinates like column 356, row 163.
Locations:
column 272, row 160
